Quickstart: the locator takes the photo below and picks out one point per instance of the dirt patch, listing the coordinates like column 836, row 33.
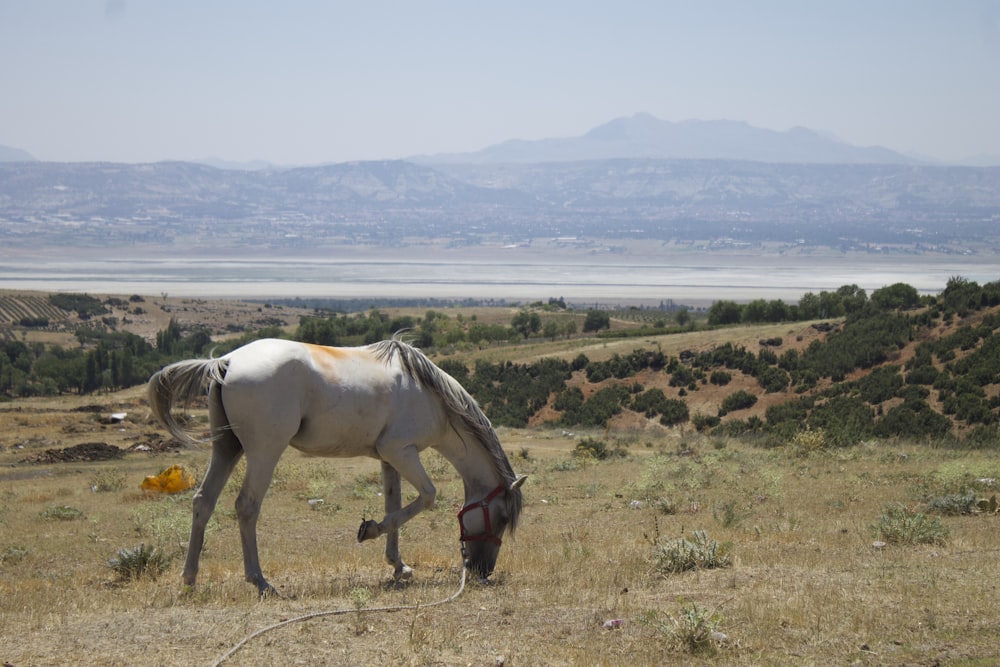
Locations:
column 87, row 451
column 156, row 445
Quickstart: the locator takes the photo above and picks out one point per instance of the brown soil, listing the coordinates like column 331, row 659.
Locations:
column 87, row 451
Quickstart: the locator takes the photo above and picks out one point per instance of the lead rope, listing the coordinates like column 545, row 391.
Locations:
column 336, row 612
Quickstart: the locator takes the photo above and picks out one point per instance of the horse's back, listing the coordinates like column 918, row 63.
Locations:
column 332, row 401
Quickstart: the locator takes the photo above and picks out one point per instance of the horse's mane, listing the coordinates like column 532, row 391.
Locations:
column 460, row 404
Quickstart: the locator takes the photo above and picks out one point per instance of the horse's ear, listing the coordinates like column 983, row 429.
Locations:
column 516, row 484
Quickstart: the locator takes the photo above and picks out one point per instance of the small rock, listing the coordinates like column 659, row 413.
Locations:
column 613, row 623
column 878, row 544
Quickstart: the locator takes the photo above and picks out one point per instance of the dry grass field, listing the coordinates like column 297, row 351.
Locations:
column 808, row 582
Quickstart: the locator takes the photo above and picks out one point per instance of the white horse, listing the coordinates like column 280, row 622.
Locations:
column 385, row 400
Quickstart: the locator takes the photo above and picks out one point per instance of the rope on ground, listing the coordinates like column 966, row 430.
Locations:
column 336, row 612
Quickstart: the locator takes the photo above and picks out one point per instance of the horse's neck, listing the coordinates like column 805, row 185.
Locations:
column 472, row 461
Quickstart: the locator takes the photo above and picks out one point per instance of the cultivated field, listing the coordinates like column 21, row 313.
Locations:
column 810, row 580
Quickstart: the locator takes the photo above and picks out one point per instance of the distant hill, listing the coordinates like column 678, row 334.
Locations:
column 838, row 205
column 8, row 154
column 645, row 136
column 219, row 163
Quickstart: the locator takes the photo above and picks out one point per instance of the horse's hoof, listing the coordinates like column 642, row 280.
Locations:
column 403, row 574
column 268, row 591
column 368, row 530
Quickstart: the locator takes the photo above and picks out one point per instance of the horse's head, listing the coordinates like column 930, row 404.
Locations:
column 482, row 524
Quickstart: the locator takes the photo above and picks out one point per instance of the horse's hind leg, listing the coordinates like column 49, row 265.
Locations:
column 392, row 491
column 260, row 469
column 226, row 451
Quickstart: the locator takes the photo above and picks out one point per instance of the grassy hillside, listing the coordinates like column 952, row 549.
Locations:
column 888, row 366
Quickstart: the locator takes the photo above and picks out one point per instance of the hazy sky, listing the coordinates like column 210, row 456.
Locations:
column 304, row 82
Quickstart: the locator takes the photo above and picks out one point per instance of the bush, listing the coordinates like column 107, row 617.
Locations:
column 675, row 411
column 596, row 449
column 955, row 504
column 599, row 408
column 913, row 419
column 809, row 440
column 695, row 629
column 107, row 480
column 772, row 379
column 700, row 552
column 14, row 554
column 650, row 403
column 740, row 400
column 61, row 513
column 899, row 525
column 704, row 422
column 139, row 561
column 720, row 378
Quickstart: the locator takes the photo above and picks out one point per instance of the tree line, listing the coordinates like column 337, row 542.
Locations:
column 959, row 371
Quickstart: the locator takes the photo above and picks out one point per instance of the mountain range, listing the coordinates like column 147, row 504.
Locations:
column 645, row 136
column 636, row 177
column 8, row 154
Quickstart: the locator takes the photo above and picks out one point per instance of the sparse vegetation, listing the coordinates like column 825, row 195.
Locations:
column 794, row 489
column 61, row 513
column 901, row 525
column 141, row 561
column 695, row 629
column 697, row 553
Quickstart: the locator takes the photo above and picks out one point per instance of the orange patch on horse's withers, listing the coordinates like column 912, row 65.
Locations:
column 326, row 358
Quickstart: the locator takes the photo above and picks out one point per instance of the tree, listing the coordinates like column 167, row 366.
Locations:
column 810, row 307
column 896, row 296
column 682, row 317
column 852, row 297
column 961, row 294
column 526, row 323
column 724, row 312
column 596, row 320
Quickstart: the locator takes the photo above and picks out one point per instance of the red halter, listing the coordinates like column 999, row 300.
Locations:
column 484, row 504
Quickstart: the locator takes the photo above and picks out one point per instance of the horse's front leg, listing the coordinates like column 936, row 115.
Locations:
column 403, row 461
column 392, row 492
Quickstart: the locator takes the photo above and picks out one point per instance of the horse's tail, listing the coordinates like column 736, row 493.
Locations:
column 180, row 383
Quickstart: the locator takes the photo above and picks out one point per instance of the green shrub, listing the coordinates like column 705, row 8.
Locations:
column 140, row 561
column 704, row 422
column 720, row 378
column 682, row 554
column 61, row 513
column 739, row 400
column 650, row 403
column 675, row 411
column 597, row 449
column 899, row 525
column 13, row 554
column 954, row 504
column 695, row 630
